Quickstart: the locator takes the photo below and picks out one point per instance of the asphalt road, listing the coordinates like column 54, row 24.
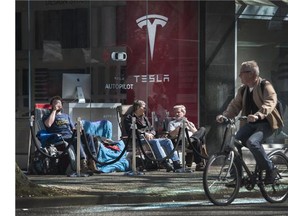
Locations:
column 247, row 206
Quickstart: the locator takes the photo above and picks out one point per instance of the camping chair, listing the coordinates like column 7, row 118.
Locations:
column 52, row 154
column 190, row 144
column 144, row 152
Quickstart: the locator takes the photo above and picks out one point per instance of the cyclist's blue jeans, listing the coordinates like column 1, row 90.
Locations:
column 163, row 147
column 252, row 135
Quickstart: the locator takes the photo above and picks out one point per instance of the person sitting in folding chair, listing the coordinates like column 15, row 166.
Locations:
column 60, row 123
column 162, row 147
column 173, row 129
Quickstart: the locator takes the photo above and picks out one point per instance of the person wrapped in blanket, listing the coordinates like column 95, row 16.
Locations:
column 110, row 155
column 60, row 123
column 161, row 146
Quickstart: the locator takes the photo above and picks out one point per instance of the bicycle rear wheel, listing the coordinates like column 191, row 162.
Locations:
column 278, row 191
column 216, row 176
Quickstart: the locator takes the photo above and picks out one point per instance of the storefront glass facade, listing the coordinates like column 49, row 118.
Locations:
column 162, row 52
column 262, row 35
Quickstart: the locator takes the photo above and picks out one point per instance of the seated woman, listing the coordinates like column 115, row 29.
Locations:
column 161, row 146
column 173, row 129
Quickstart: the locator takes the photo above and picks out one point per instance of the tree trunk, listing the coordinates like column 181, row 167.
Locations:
column 26, row 188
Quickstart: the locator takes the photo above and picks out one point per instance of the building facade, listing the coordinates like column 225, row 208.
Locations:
column 162, row 52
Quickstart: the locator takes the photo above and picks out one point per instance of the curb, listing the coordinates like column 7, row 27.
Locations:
column 119, row 189
column 38, row 202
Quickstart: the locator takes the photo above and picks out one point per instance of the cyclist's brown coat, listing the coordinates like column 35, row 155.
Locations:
column 266, row 104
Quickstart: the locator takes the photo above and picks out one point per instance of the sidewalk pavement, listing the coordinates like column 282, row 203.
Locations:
column 120, row 188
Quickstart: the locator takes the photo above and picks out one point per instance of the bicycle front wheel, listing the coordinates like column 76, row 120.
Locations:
column 278, row 191
column 221, row 179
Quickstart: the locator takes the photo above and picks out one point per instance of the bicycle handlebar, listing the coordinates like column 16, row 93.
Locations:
column 233, row 120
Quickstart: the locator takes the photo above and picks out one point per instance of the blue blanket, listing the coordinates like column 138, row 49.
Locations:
column 101, row 128
column 104, row 129
column 106, row 155
column 44, row 137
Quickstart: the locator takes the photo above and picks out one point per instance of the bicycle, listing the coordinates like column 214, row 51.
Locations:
column 217, row 173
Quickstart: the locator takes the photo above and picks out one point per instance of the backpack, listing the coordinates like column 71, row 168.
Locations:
column 279, row 105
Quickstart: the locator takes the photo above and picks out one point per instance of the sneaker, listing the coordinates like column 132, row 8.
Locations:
column 231, row 184
column 200, row 166
column 270, row 176
column 177, row 165
column 168, row 166
column 92, row 166
column 84, row 167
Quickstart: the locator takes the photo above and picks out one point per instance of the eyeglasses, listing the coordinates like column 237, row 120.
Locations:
column 244, row 72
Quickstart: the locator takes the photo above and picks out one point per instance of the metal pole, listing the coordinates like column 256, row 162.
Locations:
column 29, row 79
column 183, row 144
column 153, row 119
column 78, row 146
column 30, row 142
column 134, row 169
column 134, row 145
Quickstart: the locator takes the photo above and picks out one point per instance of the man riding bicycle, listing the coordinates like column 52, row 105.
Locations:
column 262, row 116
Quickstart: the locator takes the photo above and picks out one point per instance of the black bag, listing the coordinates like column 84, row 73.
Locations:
column 43, row 165
column 146, row 164
column 150, row 165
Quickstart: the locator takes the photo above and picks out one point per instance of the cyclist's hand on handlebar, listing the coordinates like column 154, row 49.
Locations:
column 252, row 118
column 220, row 118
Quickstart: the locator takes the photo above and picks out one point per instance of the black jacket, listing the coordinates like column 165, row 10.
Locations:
column 143, row 124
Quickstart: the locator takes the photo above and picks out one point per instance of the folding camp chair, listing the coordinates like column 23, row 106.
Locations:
column 52, row 154
column 144, row 152
column 190, row 144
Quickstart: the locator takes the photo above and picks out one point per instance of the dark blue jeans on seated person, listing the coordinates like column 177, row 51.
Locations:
column 83, row 147
column 252, row 135
column 163, row 147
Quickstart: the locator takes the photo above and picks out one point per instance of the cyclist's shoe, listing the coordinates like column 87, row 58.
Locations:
column 270, row 176
column 232, row 184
